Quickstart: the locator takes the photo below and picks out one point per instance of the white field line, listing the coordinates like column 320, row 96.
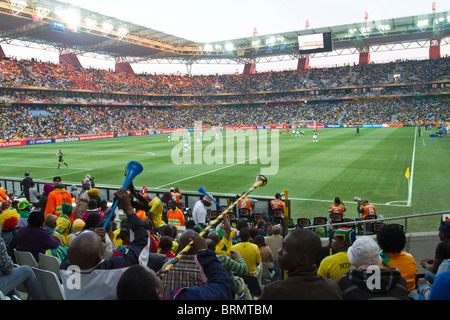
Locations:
column 204, row 173
column 410, row 181
column 392, row 203
column 42, row 167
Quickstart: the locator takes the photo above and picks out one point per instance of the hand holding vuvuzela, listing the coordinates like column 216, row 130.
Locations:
column 261, row 181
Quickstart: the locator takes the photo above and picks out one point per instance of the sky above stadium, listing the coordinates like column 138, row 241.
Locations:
column 207, row 21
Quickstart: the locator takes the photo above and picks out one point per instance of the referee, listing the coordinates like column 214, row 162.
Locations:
column 60, row 159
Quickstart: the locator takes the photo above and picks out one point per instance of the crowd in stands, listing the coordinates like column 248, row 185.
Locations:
column 154, row 257
column 32, row 73
column 26, row 122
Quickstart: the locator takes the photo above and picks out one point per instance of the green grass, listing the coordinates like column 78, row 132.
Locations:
column 372, row 165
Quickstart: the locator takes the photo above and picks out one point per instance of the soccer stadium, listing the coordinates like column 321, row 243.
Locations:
column 274, row 185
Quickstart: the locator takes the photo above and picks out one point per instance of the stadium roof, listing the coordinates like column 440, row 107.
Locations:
column 68, row 28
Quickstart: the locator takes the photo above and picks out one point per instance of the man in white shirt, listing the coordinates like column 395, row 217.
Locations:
column 199, row 212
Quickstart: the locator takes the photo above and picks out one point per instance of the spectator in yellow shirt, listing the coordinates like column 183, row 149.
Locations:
column 156, row 210
column 249, row 251
column 335, row 266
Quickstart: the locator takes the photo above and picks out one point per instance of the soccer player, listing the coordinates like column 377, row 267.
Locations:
column 60, row 159
column 315, row 137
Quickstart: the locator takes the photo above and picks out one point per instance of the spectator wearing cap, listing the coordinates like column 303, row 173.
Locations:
column 441, row 253
column 61, row 251
column 44, row 197
column 200, row 213
column 64, row 223
column 335, row 266
column 34, row 237
column 366, row 278
column 24, row 208
column 57, row 197
column 94, row 194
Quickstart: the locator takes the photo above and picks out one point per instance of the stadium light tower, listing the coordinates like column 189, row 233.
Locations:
column 250, row 65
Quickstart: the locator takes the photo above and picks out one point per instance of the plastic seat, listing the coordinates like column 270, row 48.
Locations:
column 244, row 213
column 320, row 221
column 50, row 284
column 303, row 222
column 277, row 213
column 49, row 263
column 336, row 217
column 25, row 258
column 231, row 216
column 213, row 214
column 256, row 217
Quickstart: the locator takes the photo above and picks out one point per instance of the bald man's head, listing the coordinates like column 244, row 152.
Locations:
column 186, row 238
column 86, row 250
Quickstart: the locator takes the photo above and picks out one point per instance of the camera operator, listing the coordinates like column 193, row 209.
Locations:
column 367, row 209
column 337, row 207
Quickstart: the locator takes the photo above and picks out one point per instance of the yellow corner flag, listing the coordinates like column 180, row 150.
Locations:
column 407, row 174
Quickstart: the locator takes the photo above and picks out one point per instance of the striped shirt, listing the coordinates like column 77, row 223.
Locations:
column 185, row 273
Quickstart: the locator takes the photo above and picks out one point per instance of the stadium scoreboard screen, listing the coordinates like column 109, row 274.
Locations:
column 318, row 42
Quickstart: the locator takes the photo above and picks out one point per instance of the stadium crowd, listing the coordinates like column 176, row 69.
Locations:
column 37, row 122
column 134, row 257
column 32, row 73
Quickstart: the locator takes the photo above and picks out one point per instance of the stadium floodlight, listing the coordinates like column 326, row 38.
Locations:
column 384, row 27
column 42, row 11
column 208, row 47
column 270, row 41
column 122, row 31
column 20, row 4
column 218, row 46
column 256, row 43
column 365, row 30
column 69, row 17
column 107, row 27
column 91, row 23
column 281, row 39
column 229, row 46
column 352, row 31
column 423, row 23
column 437, row 21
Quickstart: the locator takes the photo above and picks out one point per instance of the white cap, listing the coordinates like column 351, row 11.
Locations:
column 364, row 251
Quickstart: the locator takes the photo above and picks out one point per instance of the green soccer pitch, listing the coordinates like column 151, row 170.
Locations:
column 371, row 165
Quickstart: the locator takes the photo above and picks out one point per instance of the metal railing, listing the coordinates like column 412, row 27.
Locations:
column 364, row 223
column 262, row 207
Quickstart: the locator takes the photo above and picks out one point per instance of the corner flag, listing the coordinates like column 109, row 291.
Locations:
column 407, row 174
